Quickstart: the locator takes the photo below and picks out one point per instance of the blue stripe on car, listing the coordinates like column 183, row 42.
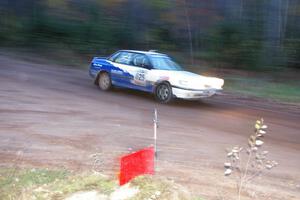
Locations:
column 119, row 77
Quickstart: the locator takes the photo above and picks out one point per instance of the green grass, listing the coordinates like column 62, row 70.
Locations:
column 149, row 186
column 44, row 184
column 49, row 184
column 279, row 91
column 13, row 182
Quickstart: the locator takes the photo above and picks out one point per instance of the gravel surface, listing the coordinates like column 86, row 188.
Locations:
column 54, row 116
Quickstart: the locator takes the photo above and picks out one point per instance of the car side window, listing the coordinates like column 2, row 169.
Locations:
column 141, row 60
column 114, row 56
column 124, row 58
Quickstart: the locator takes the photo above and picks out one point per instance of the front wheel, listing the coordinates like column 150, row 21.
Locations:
column 104, row 81
column 163, row 93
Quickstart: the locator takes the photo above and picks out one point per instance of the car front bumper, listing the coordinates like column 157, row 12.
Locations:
column 194, row 94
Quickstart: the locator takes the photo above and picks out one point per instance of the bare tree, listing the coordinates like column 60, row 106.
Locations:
column 189, row 31
column 285, row 19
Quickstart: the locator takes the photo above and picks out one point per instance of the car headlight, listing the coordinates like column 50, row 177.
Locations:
column 218, row 83
column 183, row 82
column 222, row 82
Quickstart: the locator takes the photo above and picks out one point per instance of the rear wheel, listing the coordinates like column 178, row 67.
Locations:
column 163, row 93
column 104, row 81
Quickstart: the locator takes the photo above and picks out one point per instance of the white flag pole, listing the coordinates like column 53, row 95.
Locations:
column 155, row 131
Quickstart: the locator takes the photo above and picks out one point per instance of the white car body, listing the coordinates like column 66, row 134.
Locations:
column 187, row 85
column 125, row 71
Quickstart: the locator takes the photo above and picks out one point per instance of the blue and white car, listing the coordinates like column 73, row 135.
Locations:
column 152, row 72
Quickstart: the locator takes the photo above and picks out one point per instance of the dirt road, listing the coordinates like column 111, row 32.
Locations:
column 54, row 116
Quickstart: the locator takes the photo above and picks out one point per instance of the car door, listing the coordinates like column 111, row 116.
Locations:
column 142, row 67
column 130, row 71
column 121, row 73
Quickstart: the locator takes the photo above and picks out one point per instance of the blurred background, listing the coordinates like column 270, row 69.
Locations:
column 247, row 35
column 253, row 44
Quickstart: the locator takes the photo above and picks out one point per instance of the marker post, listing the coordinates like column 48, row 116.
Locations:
column 155, row 122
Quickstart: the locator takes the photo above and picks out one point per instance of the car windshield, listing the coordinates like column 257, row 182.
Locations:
column 164, row 63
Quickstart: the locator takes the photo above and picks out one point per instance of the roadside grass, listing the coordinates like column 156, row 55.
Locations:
column 159, row 188
column 44, row 184
column 49, row 184
column 279, row 91
column 82, row 182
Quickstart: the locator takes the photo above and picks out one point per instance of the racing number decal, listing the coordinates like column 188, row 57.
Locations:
column 139, row 78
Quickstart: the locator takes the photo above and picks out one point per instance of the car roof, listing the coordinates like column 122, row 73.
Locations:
column 150, row 53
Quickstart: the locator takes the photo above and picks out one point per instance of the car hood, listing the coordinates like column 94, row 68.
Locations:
column 189, row 80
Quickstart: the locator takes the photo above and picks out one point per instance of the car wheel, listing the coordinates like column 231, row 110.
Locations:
column 104, row 81
column 163, row 93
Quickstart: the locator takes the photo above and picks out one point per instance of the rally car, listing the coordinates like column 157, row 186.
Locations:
column 152, row 72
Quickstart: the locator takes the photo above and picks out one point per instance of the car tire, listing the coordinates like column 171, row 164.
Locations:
column 104, row 81
column 163, row 93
